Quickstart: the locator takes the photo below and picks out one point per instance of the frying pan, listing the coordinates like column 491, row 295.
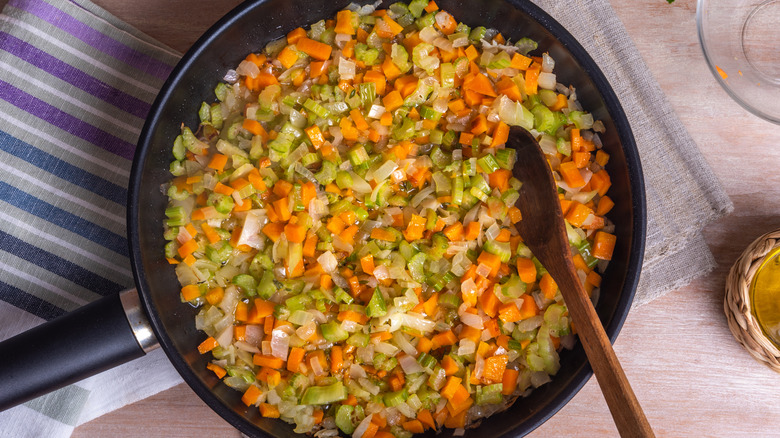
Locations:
column 116, row 329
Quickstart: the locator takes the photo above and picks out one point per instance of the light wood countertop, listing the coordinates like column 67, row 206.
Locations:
column 690, row 375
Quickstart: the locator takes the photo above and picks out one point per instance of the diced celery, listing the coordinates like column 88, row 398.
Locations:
column 327, row 173
column 332, row 332
column 490, row 394
column 322, row 395
column 392, row 399
column 526, row 45
column 358, row 340
column 416, row 7
column 376, row 306
column 343, row 419
column 501, row 249
column 266, row 288
column 247, row 283
column 488, row 163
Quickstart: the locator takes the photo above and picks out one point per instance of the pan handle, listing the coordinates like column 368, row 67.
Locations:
column 101, row 335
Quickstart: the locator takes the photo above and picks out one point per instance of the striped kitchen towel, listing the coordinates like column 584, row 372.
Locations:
column 75, row 87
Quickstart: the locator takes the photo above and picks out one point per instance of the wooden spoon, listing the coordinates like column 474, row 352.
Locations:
column 543, row 230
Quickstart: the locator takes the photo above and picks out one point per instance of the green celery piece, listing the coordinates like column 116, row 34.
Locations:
column 376, row 306
column 490, row 394
column 395, row 398
column 416, row 266
column 332, row 332
column 322, row 395
column 344, row 419
column 266, row 289
column 416, row 7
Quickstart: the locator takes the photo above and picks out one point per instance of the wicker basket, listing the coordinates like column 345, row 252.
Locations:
column 737, row 305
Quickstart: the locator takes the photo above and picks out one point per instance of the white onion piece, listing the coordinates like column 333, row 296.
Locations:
column 466, row 347
column 356, row 371
column 280, row 342
column 368, row 386
column 386, row 348
column 328, row 261
column 241, row 345
column 248, row 68
column 539, row 378
column 359, row 185
column 346, row 69
column 472, row 320
column 406, row 346
column 483, row 270
column 254, row 334
column 548, row 63
column 316, row 366
column 363, row 426
column 376, row 111
column 225, row 337
column 547, row 80
column 421, row 196
column 410, row 365
column 418, row 322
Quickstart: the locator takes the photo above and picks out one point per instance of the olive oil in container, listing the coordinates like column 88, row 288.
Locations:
column 765, row 296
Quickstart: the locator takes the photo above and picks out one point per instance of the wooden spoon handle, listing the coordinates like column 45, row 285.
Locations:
column 626, row 411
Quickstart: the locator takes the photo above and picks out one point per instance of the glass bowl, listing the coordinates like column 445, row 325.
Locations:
column 741, row 43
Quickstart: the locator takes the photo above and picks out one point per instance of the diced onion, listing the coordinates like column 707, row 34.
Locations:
column 410, row 365
column 328, row 261
column 280, row 343
column 346, row 69
column 471, row 320
column 466, row 346
column 362, row 427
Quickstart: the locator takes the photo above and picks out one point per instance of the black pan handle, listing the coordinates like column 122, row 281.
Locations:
column 101, row 335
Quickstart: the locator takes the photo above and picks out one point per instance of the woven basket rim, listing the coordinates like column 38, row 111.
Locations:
column 738, row 308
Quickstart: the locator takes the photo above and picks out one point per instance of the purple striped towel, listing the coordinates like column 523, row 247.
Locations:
column 75, row 87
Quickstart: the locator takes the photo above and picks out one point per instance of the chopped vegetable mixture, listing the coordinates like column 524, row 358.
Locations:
column 343, row 217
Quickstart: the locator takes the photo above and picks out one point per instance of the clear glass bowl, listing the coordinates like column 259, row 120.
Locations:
column 741, row 42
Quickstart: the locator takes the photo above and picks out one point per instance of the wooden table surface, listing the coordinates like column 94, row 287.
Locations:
column 688, row 372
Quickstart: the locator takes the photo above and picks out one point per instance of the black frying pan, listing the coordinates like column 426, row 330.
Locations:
column 99, row 336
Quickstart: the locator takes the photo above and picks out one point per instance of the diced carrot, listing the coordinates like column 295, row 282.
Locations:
column 472, row 231
column 489, row 303
column 357, row 118
column 274, row 230
column 336, row 359
column 218, row 162
column 479, row 83
column 218, row 370
column 371, row 430
column 500, row 135
column 282, row 208
column 603, row 245
column 251, row 395
column 187, row 248
column 390, row 70
column 445, row 22
column 509, row 381
column 288, row 56
column 571, row 174
column 604, row 206
column 315, row 49
column 455, row 421
column 520, row 62
column 295, row 233
column 268, row 361
column 490, row 260
column 601, row 182
column 560, row 102
column 378, row 79
column 526, row 270
column 424, row 345
column 508, row 312
column 209, row 344
column 471, row 53
column 344, row 22
column 414, row 426
column 443, row 339
column 581, row 159
column 499, row 179
column 190, row 292
column 425, row 417
column 548, row 286
column 532, row 79
column 449, row 365
column 450, row 387
column 577, row 214
column 269, row 411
